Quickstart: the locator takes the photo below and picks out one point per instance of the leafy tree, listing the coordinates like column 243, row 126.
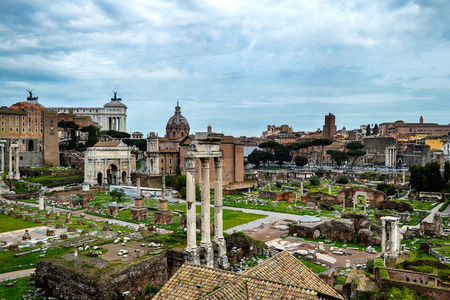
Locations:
column 268, row 145
column 116, row 134
column 355, row 151
column 368, row 129
column 314, row 180
column 141, row 144
column 376, row 129
column 428, row 178
column 117, row 193
column 180, row 182
column 301, row 161
column 386, row 188
column 72, row 127
column 169, row 180
column 342, row 179
column 281, row 155
column 447, row 171
column 256, row 157
column 93, row 132
column 339, row 157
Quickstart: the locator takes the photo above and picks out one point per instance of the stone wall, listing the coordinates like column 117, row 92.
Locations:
column 334, row 230
column 147, row 180
column 57, row 277
column 31, row 159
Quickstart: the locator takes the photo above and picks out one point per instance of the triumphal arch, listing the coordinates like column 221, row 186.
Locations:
column 107, row 163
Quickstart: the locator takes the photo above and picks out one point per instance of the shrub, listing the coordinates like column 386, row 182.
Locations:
column 342, row 179
column 314, row 180
column 380, row 264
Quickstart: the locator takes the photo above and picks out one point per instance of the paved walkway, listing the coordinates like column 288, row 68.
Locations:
column 16, row 274
column 428, row 219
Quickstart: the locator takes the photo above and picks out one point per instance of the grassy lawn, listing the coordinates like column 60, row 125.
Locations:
column 11, row 223
column 9, row 263
column 316, row 268
column 56, row 180
column 15, row 292
column 232, row 218
column 426, row 205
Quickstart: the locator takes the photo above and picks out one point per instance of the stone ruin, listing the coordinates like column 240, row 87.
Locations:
column 204, row 147
column 138, row 211
column 163, row 215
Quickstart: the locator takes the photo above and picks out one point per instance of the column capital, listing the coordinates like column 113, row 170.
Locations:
column 190, row 163
column 218, row 162
column 205, row 162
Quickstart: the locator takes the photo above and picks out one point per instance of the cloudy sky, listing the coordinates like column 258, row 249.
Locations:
column 237, row 65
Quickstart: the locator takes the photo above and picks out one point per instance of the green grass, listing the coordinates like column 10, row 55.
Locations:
column 56, row 180
column 232, row 218
column 316, row 268
column 404, row 293
column 9, row 263
column 11, row 223
column 15, row 292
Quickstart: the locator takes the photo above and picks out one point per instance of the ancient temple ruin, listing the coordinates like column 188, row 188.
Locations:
column 205, row 148
column 394, row 242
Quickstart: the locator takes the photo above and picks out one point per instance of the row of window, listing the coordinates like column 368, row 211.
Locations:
column 23, row 130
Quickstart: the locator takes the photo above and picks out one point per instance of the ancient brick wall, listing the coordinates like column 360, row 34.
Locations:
column 57, row 278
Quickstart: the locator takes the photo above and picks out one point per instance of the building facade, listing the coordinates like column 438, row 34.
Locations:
column 168, row 153
column 401, row 128
column 112, row 116
column 34, row 129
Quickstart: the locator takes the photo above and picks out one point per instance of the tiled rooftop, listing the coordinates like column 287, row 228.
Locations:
column 280, row 277
column 284, row 267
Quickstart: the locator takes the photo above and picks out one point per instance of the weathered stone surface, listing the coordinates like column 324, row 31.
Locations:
column 69, row 275
column 411, row 233
column 398, row 206
column 365, row 237
column 358, row 219
column 340, row 230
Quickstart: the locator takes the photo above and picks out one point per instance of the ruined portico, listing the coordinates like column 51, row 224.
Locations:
column 394, row 242
column 204, row 147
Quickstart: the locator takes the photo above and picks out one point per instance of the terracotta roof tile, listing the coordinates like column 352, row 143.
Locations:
column 280, row 277
column 285, row 268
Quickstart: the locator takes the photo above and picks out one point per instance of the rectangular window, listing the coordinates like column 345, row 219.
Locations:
column 29, row 129
column 17, row 123
column 17, row 117
column 35, row 130
column 10, row 123
column 23, row 118
column 10, row 117
column 3, row 116
column 10, row 129
column 17, row 129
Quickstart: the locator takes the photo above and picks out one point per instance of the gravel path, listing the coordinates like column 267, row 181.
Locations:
column 16, row 274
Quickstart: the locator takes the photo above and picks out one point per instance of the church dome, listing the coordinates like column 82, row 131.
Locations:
column 178, row 125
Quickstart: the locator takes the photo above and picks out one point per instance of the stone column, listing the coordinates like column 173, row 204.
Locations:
column 206, row 223
column 10, row 170
column 404, row 177
column 191, row 252
column 218, row 215
column 16, row 163
column 396, row 236
column 392, row 238
column 329, row 189
column 105, row 173
column 383, row 236
column 41, row 202
column 301, row 188
column 138, row 187
column 2, row 157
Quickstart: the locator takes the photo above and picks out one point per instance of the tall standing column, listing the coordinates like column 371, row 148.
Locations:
column 396, row 236
column 191, row 252
column 392, row 238
column 383, row 236
column 301, row 188
column 16, row 163
column 10, row 170
column 218, row 215
column 2, row 166
column 206, row 225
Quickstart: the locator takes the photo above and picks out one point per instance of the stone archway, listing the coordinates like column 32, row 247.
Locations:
column 110, row 159
column 356, row 196
column 112, row 174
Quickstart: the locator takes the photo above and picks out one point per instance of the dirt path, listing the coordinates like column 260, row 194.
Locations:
column 16, row 274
